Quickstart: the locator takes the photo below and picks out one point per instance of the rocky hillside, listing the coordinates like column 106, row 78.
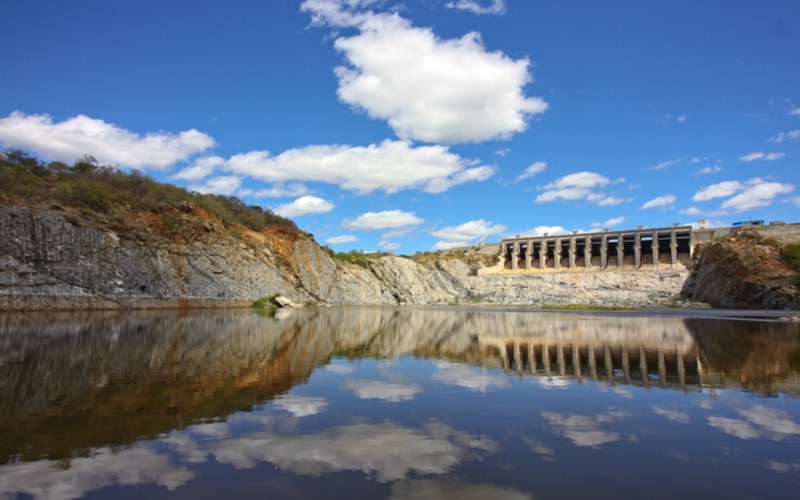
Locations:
column 60, row 258
column 747, row 270
column 183, row 256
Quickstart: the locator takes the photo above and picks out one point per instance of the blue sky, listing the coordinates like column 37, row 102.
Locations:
column 415, row 125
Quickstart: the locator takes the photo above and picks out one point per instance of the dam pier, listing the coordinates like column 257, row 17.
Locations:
column 628, row 249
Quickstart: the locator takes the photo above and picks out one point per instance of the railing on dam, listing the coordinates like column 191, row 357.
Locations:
column 632, row 249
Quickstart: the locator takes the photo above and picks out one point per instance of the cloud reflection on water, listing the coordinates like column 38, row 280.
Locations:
column 758, row 422
column 468, row 377
column 387, row 391
column 74, row 478
column 586, row 430
column 301, row 406
column 447, row 488
column 387, row 450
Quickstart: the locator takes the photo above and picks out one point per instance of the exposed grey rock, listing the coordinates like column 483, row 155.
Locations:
column 50, row 260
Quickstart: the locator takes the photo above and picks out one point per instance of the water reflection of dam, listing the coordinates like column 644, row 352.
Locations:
column 663, row 365
column 72, row 381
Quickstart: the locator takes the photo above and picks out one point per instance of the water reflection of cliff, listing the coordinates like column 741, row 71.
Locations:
column 75, row 381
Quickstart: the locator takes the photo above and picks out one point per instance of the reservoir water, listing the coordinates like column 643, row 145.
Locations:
column 398, row 403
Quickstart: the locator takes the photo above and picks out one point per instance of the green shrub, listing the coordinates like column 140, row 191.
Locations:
column 90, row 186
column 265, row 302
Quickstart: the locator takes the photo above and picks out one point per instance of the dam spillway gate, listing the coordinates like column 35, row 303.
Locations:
column 629, row 249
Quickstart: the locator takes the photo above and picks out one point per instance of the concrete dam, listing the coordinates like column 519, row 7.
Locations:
column 632, row 249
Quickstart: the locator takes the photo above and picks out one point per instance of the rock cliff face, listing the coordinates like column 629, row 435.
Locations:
column 54, row 259
column 745, row 271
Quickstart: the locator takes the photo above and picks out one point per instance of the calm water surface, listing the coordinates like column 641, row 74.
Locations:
column 397, row 403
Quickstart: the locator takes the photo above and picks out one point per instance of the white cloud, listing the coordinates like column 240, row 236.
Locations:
column 578, row 186
column 281, row 191
column 758, row 194
column 720, row 190
column 532, row 170
column 305, row 205
column 785, row 136
column 386, row 391
column 659, row 202
column 426, row 88
column 760, row 155
column 616, row 221
column 541, row 230
column 200, row 169
column 466, row 234
column 225, row 185
column 709, row 170
column 339, row 240
column 607, row 201
column 81, row 135
column 796, row 201
column 390, row 166
column 664, row 165
column 682, row 118
column 388, row 246
column 389, row 219
column 794, row 111
column 496, row 7
column 755, row 193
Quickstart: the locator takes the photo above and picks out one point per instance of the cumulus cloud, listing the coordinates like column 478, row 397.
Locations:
column 81, row 135
column 426, row 88
column 664, row 165
column 532, row 170
column 755, row 193
column 760, row 155
column 792, row 135
column 390, row 166
column 339, row 240
column 709, row 170
column 389, row 219
column 434, row 449
column 584, row 186
column 719, row 190
column 615, row 221
column 466, row 234
column 387, row 391
column 305, row 205
column 225, row 185
column 388, row 245
column 660, row 202
column 496, row 7
column 200, row 169
column 279, row 191
column 542, row 230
